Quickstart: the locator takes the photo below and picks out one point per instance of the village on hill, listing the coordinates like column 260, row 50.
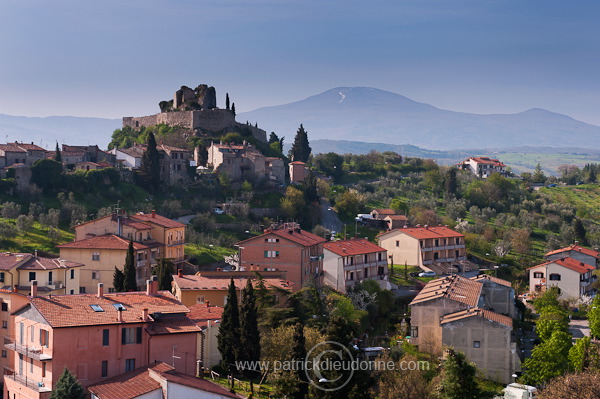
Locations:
column 194, row 258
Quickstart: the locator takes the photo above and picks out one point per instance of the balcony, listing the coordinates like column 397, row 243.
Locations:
column 34, row 352
column 175, row 243
column 316, row 258
column 142, row 263
column 55, row 285
column 38, row 386
column 364, row 265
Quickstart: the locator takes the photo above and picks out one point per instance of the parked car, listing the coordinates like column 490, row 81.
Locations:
column 218, row 211
column 427, row 274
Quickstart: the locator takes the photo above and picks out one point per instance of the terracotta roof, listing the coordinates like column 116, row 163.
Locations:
column 201, row 384
column 487, row 161
column 352, row 247
column 25, row 261
column 396, row 217
column 477, row 312
column 453, row 287
column 422, row 233
column 210, row 283
column 155, row 218
column 168, row 148
column 575, row 248
column 493, row 279
column 297, row 163
column 135, row 151
column 569, row 263
column 172, row 325
column 11, row 148
column 106, row 241
column 385, row 211
column 31, row 147
column 200, row 314
column 301, row 237
column 130, row 384
column 76, row 310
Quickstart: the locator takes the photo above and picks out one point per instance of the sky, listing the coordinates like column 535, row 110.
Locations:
column 120, row 58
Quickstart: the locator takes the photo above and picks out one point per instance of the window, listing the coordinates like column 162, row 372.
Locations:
column 351, row 276
column 105, row 337
column 1, row 277
column 31, row 365
column 476, row 344
column 97, row 308
column 82, row 290
column 397, row 243
column 4, row 324
column 129, row 364
column 111, row 290
column 44, row 337
column 366, row 273
column 131, row 335
column 414, row 332
column 31, row 276
column 4, row 307
column 538, row 275
column 95, row 255
column 555, row 277
column 379, row 257
column 3, row 353
column 32, row 329
column 119, row 306
column 271, row 239
column 72, row 292
column 43, row 369
column 200, row 299
column 457, row 241
column 105, row 367
column 49, row 278
column 95, row 275
column 437, row 243
column 271, row 254
column 72, row 275
column 366, row 257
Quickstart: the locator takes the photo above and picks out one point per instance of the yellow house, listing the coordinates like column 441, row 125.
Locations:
column 212, row 287
column 147, row 229
column 54, row 275
column 101, row 254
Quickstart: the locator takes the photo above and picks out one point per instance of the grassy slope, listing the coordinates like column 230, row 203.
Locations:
column 36, row 239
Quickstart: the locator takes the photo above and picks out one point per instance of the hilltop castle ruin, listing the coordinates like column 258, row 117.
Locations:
column 195, row 109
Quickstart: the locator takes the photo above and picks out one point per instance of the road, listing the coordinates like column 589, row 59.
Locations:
column 329, row 217
column 579, row 328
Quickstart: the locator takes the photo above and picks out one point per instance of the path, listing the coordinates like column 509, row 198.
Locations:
column 329, row 217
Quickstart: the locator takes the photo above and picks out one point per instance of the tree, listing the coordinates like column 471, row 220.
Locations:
column 227, row 101
column 57, row 156
column 228, row 339
column 458, row 378
column 331, row 164
column 580, row 232
column 551, row 319
column 538, row 175
column 233, row 108
column 118, row 280
column 67, row 387
column 47, row 174
column 594, row 317
column 451, row 183
column 579, row 354
column 311, row 194
column 130, row 281
column 150, row 165
column 273, row 138
column 164, row 272
column 300, row 150
column 299, row 355
column 249, row 334
column 548, row 359
column 581, row 386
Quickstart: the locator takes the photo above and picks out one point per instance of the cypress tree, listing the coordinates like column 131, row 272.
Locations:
column 227, row 101
column 118, row 280
column 300, row 150
column 233, row 108
column 299, row 355
column 249, row 334
column 451, row 183
column 228, row 339
column 150, row 165
column 164, row 271
column 58, row 156
column 130, row 282
column 273, row 138
column 67, row 387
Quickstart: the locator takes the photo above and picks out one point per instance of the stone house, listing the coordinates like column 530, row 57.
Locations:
column 498, row 295
column 20, row 153
column 298, row 171
column 97, row 336
column 285, row 247
column 347, row 262
column 244, row 161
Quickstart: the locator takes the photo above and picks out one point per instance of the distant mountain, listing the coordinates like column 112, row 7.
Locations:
column 45, row 132
column 373, row 115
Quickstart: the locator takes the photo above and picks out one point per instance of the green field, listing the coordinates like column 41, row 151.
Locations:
column 526, row 162
column 586, row 198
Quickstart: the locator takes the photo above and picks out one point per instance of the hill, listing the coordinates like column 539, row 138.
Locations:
column 45, row 132
column 373, row 115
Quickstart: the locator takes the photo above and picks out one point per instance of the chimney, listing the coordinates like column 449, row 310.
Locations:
column 120, row 315
column 179, row 273
column 145, row 314
column 149, row 287
column 154, row 285
column 153, row 214
column 15, row 288
column 36, row 253
column 34, row 288
column 208, row 304
column 100, row 290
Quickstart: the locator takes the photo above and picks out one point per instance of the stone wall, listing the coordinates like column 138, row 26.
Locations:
column 215, row 119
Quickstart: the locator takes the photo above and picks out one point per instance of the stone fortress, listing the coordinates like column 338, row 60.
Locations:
column 195, row 109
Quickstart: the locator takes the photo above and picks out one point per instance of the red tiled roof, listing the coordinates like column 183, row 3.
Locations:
column 31, row 147
column 422, row 233
column 301, row 237
column 155, row 218
column 172, row 325
column 210, row 283
column 76, row 310
column 11, row 148
column 569, row 263
column 487, row 161
column 30, row 262
column 453, row 287
column 297, row 163
column 106, row 241
column 396, row 217
column 176, row 377
column 477, row 312
column 352, row 247
column 128, row 385
column 200, row 314
column 135, row 151
column 575, row 248
column 493, row 279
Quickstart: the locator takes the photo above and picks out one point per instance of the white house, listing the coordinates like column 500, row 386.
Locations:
column 483, row 166
column 572, row 277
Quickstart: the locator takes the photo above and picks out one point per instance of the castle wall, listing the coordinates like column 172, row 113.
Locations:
column 215, row 119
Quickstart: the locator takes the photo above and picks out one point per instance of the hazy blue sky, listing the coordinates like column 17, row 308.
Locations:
column 113, row 58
